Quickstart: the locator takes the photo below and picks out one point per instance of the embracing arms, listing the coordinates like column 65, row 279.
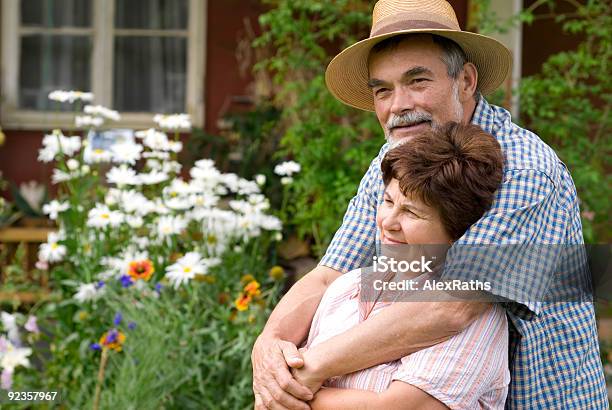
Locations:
column 399, row 396
column 380, row 339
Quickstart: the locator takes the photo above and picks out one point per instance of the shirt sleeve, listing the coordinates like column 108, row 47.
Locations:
column 354, row 243
column 510, row 246
column 469, row 370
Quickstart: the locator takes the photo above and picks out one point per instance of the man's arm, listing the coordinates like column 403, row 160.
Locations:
column 287, row 327
column 399, row 396
column 417, row 325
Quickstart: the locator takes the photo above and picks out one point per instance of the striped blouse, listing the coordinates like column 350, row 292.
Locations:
column 468, row 371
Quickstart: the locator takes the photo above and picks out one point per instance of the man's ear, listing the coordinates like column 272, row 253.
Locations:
column 468, row 81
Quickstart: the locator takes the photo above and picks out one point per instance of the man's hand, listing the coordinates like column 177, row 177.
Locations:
column 273, row 385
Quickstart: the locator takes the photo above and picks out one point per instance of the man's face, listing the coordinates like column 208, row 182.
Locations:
column 412, row 89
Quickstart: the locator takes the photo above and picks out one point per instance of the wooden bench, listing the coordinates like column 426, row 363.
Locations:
column 26, row 240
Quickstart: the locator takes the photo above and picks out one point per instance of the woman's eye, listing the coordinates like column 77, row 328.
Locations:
column 388, row 201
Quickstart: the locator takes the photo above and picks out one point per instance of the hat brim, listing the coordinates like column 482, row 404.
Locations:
column 347, row 74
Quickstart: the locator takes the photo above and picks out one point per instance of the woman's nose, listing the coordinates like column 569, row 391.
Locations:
column 390, row 222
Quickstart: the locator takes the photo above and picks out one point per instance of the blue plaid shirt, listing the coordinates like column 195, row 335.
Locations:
column 554, row 350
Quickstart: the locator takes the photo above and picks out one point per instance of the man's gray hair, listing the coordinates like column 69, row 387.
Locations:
column 453, row 55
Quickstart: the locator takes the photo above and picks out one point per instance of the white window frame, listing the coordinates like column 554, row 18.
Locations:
column 12, row 117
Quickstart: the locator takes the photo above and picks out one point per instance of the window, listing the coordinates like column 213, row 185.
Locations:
column 137, row 56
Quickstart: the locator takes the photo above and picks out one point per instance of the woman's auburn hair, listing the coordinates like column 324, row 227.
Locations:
column 455, row 169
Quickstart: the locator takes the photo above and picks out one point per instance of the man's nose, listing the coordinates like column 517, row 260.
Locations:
column 402, row 101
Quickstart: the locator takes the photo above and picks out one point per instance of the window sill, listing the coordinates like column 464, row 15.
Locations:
column 40, row 120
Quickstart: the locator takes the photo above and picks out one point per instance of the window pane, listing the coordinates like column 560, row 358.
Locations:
column 151, row 14
column 150, row 74
column 56, row 13
column 52, row 63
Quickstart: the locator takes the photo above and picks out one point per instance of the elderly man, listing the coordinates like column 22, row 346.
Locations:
column 419, row 70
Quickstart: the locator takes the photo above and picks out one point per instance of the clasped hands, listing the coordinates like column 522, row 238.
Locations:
column 283, row 376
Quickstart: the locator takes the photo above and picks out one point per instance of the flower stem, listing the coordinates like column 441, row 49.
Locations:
column 103, row 361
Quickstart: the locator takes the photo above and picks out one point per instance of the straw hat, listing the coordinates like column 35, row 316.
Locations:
column 347, row 74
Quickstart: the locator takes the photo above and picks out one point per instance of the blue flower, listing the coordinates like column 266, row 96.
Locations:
column 95, row 346
column 126, row 281
column 158, row 287
column 131, row 325
column 100, row 284
column 112, row 336
column 118, row 318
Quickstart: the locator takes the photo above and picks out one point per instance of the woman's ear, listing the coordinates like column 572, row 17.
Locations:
column 468, row 82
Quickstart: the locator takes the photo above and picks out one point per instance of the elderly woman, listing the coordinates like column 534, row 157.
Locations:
column 437, row 185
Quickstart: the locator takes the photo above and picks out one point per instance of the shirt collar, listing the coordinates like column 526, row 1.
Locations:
column 484, row 116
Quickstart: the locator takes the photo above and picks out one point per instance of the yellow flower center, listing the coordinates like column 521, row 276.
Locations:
column 187, row 270
column 105, row 216
column 54, row 245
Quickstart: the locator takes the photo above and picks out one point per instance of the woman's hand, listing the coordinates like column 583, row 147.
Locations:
column 309, row 374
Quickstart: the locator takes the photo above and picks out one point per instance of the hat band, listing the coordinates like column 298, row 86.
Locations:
column 409, row 25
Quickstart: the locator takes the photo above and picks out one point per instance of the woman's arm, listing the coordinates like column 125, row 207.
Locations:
column 399, row 396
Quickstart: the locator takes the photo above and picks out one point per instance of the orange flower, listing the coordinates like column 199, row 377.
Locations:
column 252, row 288
column 113, row 339
column 142, row 269
column 242, row 303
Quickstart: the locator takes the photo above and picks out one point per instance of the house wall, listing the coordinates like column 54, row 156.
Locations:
column 225, row 29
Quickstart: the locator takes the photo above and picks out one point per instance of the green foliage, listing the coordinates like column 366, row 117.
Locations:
column 333, row 143
column 568, row 105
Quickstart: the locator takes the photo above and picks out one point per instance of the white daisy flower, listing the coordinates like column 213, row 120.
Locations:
column 173, row 122
column 55, row 142
column 260, row 179
column 134, row 221
column 98, row 155
column 153, row 177
column 203, row 201
column 154, row 139
column 52, row 251
column 126, row 152
column 83, row 121
column 72, row 164
column 178, row 203
column 287, row 168
column 55, row 207
column 70, row 96
column 13, row 357
column 122, row 175
column 170, row 225
column 101, row 216
column 9, row 323
column 88, row 291
column 186, row 268
column 171, row 167
column 175, row 146
column 99, row 110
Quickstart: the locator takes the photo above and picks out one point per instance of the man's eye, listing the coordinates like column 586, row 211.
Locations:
column 419, row 80
column 381, row 91
column 388, row 201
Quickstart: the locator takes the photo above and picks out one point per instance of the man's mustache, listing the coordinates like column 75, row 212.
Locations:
column 407, row 119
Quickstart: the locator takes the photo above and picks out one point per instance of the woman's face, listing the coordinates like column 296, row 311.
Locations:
column 407, row 220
